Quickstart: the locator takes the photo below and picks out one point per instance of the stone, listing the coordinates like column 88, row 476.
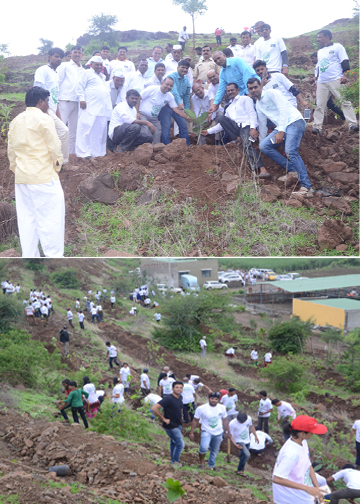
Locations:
column 158, row 147
column 219, row 482
column 341, row 248
column 334, row 166
column 10, row 253
column 345, row 178
column 143, row 154
column 129, row 178
column 8, row 222
column 338, row 204
column 100, row 189
column 332, row 232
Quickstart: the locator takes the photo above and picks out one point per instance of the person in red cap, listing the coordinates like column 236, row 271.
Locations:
column 294, row 478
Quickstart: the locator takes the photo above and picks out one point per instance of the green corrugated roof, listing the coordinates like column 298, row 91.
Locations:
column 342, row 303
column 318, row 284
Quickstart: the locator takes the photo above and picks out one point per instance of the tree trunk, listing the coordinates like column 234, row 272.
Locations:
column 193, row 21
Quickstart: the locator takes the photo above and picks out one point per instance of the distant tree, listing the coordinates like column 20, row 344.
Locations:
column 101, row 27
column 194, row 8
column 46, row 45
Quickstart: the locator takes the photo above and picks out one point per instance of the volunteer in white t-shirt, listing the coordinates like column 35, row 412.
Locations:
column 229, row 401
column 264, row 411
column 285, row 411
column 152, row 100
column 356, row 430
column 351, row 478
column 333, row 63
column 117, row 393
column 294, row 479
column 145, row 382
column 214, row 422
column 240, row 429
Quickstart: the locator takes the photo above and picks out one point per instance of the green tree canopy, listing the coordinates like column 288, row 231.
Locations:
column 101, row 27
column 194, row 8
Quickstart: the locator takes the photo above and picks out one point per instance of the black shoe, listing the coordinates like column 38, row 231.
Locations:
column 316, row 131
column 354, row 128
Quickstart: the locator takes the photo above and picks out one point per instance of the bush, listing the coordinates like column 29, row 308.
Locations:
column 65, row 278
column 288, row 374
column 289, row 336
column 24, row 360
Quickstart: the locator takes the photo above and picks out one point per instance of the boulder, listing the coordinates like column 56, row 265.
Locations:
column 143, row 153
column 8, row 222
column 345, row 178
column 338, row 204
column 333, row 232
column 334, row 166
column 129, row 178
column 100, row 189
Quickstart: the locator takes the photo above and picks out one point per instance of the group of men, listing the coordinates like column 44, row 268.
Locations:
column 73, row 110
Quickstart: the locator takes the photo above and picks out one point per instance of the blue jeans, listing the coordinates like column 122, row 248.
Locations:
column 292, row 138
column 165, row 119
column 244, row 456
column 212, row 442
column 176, row 444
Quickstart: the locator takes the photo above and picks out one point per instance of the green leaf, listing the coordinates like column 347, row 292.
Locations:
column 190, row 113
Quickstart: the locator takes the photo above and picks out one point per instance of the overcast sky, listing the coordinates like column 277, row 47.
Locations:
column 23, row 24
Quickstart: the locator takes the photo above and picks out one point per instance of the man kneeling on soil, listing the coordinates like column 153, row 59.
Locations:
column 125, row 130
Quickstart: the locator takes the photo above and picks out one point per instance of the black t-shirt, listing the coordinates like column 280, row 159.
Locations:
column 172, row 410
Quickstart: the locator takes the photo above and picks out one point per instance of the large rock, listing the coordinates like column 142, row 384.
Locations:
column 175, row 149
column 332, row 233
column 334, row 166
column 8, row 223
column 143, row 153
column 338, row 204
column 345, row 178
column 100, row 189
column 129, row 178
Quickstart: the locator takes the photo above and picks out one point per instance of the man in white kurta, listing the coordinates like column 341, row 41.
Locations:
column 95, row 111
column 34, row 151
column 69, row 73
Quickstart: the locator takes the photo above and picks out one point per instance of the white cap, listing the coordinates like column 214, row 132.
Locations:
column 176, row 47
column 96, row 59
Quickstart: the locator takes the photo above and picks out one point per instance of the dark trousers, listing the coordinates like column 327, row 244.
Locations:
column 357, row 454
column 188, row 410
column 263, row 423
column 344, row 493
column 130, row 136
column 113, row 359
column 63, row 412
column 234, row 131
column 81, row 412
column 332, row 106
column 81, row 325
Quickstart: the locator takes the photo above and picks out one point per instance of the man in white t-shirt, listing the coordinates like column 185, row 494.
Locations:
column 112, row 354
column 213, row 419
column 188, row 398
column 333, row 63
column 125, row 373
column 240, row 429
column 121, row 62
column 126, row 131
column 356, row 430
column 165, row 386
column 47, row 78
column 273, row 52
column 285, row 412
column 351, row 477
column 68, row 99
column 229, row 401
column 145, row 382
column 264, row 411
column 152, row 100
column 203, row 346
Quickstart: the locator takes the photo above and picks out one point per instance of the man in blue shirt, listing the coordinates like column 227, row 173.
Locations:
column 233, row 70
column 181, row 92
column 290, row 128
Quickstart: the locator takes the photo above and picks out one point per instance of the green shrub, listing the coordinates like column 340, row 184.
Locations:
column 287, row 373
column 66, row 278
column 289, row 336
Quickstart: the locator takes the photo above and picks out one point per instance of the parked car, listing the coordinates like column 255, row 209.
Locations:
column 232, row 278
column 213, row 284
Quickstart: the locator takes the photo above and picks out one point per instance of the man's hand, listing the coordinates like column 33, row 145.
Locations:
column 343, row 80
column 181, row 106
column 254, row 133
column 151, row 126
column 285, row 70
column 279, row 137
column 83, row 105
